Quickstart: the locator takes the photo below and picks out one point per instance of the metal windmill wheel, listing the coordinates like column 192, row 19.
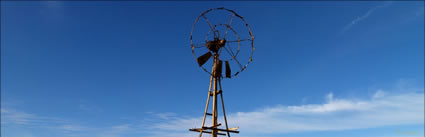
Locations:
column 224, row 40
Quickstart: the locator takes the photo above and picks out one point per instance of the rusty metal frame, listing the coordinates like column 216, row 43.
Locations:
column 215, row 84
column 228, row 26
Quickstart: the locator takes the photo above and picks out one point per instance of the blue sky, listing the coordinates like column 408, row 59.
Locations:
column 125, row 69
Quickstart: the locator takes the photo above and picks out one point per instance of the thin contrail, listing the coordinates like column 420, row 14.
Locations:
column 364, row 16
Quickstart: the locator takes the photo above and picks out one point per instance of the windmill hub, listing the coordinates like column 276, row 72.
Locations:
column 216, row 44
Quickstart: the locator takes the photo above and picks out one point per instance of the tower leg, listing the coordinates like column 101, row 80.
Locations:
column 214, row 115
column 214, row 90
column 224, row 111
column 206, row 106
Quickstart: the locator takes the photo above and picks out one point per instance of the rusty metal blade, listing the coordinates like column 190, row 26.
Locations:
column 204, row 58
column 228, row 71
column 218, row 68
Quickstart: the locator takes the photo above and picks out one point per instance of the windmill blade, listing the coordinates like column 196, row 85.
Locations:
column 228, row 71
column 218, row 68
column 204, row 58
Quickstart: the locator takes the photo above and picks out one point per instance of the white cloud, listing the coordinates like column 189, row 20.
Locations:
column 166, row 115
column 25, row 120
column 378, row 94
column 364, row 16
column 10, row 116
column 336, row 114
column 401, row 106
column 70, row 127
column 89, row 108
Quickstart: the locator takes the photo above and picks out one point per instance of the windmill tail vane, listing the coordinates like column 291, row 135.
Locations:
column 219, row 46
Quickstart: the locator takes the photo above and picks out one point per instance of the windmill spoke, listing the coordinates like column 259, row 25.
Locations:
column 233, row 54
column 228, row 25
column 220, row 51
column 240, row 65
column 228, row 52
column 198, row 45
column 209, row 23
column 239, row 40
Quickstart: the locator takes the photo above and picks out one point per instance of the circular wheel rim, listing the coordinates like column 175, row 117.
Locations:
column 212, row 28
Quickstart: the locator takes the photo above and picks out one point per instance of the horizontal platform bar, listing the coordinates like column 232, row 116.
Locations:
column 208, row 132
column 213, row 128
column 219, row 129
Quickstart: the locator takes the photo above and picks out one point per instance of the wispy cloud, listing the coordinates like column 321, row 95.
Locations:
column 14, row 117
column 364, row 16
column 381, row 109
column 24, row 121
column 71, row 127
column 413, row 14
column 166, row 115
column 400, row 106
column 89, row 108
column 419, row 11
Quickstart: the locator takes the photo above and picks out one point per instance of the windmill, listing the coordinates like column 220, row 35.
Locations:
column 223, row 44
